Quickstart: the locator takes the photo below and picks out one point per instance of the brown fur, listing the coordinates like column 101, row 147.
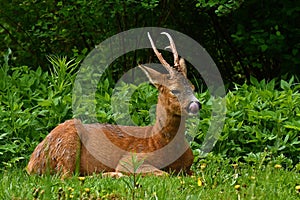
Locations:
column 73, row 143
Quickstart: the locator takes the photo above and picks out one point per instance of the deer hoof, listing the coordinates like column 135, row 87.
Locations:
column 160, row 173
column 112, row 175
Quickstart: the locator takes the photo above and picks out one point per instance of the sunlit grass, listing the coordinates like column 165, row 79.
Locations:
column 212, row 180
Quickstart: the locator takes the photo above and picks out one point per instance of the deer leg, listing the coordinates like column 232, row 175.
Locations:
column 112, row 174
column 130, row 164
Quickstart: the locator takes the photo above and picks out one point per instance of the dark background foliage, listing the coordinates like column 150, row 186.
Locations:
column 256, row 37
column 246, row 39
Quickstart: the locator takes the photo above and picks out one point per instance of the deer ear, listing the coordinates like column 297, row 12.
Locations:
column 183, row 67
column 153, row 75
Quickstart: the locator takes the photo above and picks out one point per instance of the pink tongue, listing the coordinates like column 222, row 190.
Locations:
column 194, row 107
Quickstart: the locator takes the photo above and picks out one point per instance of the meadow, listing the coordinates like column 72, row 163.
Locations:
column 256, row 156
column 213, row 179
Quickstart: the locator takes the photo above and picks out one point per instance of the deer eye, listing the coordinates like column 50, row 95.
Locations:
column 175, row 92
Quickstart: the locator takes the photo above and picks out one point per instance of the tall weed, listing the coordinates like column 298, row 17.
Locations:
column 31, row 104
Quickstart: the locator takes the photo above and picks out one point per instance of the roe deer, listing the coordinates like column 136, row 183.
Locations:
column 83, row 148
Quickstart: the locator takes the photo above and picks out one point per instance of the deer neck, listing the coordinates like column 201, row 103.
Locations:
column 168, row 125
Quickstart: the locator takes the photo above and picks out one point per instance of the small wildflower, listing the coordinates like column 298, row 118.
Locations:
column 36, row 192
column 182, row 182
column 214, row 185
column 297, row 188
column 235, row 166
column 203, row 166
column 60, row 192
column 87, row 190
column 278, row 166
column 237, row 187
column 81, row 179
column 71, row 196
column 200, row 183
column 252, row 177
column 71, row 189
column 138, row 185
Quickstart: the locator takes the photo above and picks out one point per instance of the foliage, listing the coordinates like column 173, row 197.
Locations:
column 35, row 29
column 256, row 156
column 141, row 104
column 260, row 117
column 258, row 38
column 32, row 102
column 221, row 8
column 215, row 178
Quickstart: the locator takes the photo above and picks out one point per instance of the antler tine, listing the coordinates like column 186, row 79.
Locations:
column 159, row 56
column 173, row 48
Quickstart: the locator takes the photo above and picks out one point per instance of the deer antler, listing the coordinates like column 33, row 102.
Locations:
column 177, row 64
column 160, row 58
column 173, row 49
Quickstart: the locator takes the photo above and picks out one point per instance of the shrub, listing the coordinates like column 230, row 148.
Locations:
column 262, row 119
column 32, row 102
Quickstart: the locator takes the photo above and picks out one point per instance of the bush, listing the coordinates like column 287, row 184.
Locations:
column 32, row 102
column 262, row 118
column 259, row 118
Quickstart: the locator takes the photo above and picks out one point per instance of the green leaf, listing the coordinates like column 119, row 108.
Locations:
column 290, row 126
column 295, row 52
column 254, row 81
column 264, row 47
column 284, row 85
column 271, row 85
column 278, row 33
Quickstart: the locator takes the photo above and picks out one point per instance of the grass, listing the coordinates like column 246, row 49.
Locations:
column 212, row 180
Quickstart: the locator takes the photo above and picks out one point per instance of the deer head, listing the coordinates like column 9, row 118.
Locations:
column 176, row 93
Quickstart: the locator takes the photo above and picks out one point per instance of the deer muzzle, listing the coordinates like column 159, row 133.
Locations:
column 193, row 108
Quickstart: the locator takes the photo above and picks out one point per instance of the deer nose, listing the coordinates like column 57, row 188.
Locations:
column 194, row 107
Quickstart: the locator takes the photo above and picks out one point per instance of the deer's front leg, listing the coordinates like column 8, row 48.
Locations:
column 112, row 174
column 133, row 163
